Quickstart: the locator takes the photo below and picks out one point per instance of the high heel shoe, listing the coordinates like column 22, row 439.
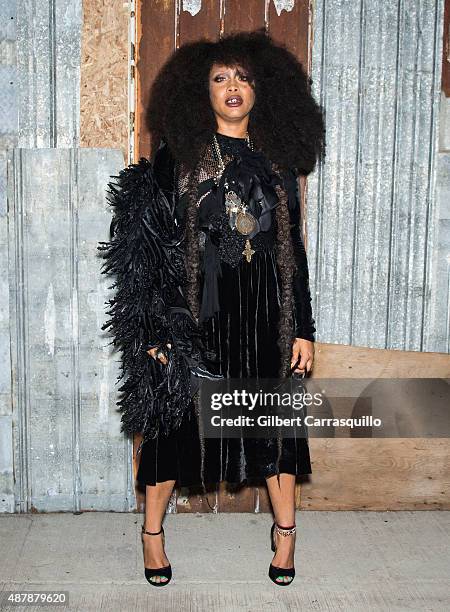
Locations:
column 280, row 572
column 165, row 571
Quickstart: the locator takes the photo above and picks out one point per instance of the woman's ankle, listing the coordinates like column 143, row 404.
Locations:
column 153, row 523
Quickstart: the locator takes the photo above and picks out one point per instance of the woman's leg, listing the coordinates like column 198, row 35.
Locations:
column 156, row 500
column 282, row 498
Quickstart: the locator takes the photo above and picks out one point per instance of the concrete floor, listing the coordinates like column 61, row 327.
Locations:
column 344, row 561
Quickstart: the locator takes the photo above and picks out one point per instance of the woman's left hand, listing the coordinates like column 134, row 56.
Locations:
column 305, row 350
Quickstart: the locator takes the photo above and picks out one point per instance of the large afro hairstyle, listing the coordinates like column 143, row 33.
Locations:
column 286, row 123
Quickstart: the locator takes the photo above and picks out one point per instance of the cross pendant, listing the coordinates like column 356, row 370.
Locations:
column 248, row 251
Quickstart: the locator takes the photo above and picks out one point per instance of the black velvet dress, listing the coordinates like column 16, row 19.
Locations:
column 243, row 334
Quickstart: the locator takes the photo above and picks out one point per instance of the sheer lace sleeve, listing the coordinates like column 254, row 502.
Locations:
column 304, row 322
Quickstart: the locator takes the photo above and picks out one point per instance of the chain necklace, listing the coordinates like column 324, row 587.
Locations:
column 239, row 217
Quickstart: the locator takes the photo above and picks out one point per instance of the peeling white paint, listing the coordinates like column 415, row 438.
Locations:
column 50, row 321
column 281, row 5
column 192, row 6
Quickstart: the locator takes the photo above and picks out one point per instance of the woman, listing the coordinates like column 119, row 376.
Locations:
column 211, row 272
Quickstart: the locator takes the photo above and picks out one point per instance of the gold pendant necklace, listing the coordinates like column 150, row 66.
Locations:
column 239, row 217
column 245, row 222
column 248, row 251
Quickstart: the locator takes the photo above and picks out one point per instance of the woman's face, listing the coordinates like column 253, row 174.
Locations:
column 231, row 94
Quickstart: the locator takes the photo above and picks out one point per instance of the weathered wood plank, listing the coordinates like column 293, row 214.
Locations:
column 155, row 42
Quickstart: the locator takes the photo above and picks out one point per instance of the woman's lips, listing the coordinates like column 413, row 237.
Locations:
column 234, row 101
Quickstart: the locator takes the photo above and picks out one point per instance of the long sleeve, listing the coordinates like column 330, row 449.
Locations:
column 304, row 324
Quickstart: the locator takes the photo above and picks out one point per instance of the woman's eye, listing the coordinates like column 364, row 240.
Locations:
column 244, row 77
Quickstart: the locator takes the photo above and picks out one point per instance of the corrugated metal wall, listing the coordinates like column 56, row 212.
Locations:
column 8, row 140
column 372, row 212
column 61, row 446
column 371, row 225
column 69, row 451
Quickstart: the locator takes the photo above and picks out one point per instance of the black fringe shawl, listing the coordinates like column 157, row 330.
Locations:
column 145, row 256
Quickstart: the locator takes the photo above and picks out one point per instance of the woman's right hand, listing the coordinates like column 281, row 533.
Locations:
column 152, row 352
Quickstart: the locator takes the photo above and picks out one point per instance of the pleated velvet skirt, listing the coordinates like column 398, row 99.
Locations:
column 244, row 337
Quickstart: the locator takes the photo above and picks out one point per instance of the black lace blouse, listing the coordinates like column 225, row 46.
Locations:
column 250, row 174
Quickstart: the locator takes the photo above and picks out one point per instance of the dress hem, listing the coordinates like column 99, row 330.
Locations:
column 248, row 481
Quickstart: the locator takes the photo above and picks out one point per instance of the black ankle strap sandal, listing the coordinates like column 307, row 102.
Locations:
column 165, row 571
column 278, row 574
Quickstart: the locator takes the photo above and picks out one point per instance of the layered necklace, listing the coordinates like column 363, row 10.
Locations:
column 240, row 219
